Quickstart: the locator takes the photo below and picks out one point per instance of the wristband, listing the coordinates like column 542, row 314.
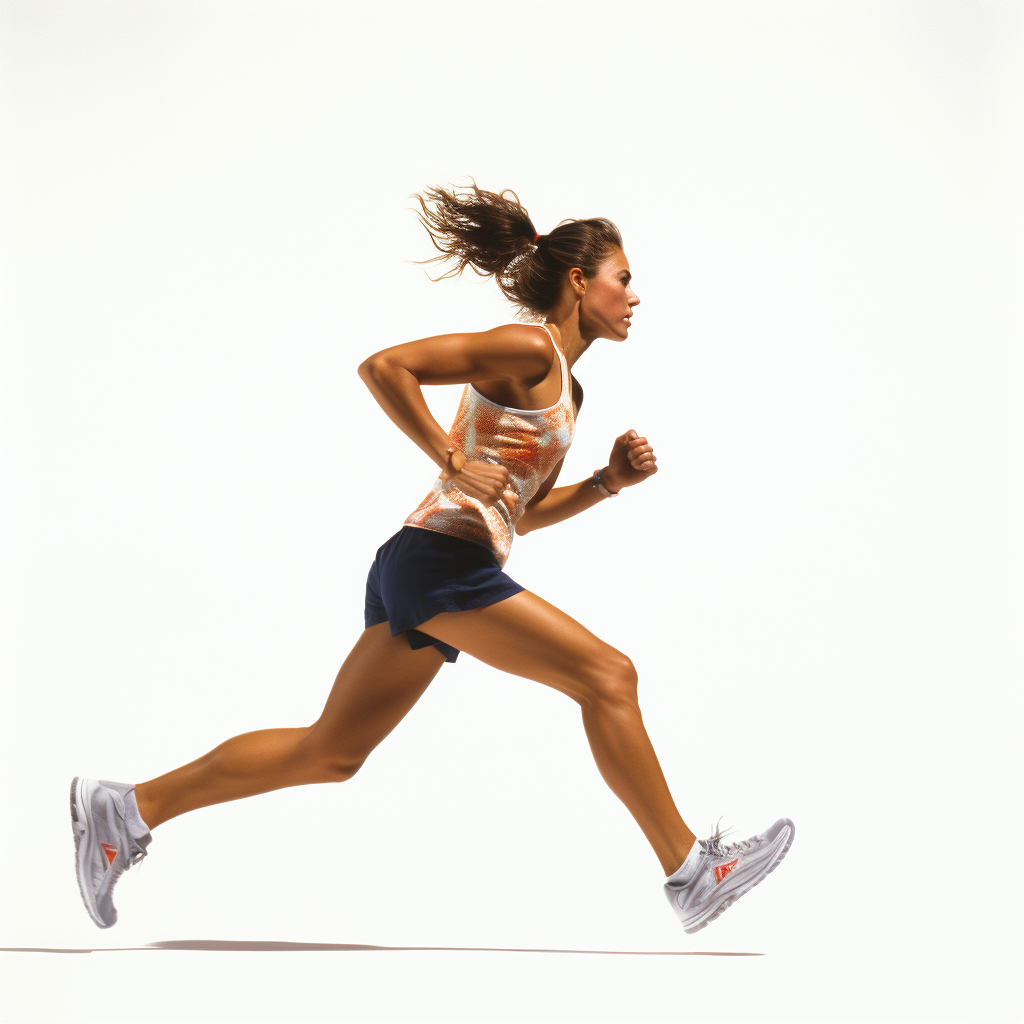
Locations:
column 598, row 479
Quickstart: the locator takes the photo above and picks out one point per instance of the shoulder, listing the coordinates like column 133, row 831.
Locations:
column 522, row 336
column 527, row 347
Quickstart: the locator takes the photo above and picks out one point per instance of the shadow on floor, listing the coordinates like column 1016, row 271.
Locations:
column 227, row 946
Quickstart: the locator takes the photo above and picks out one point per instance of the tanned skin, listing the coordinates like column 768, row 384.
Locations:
column 382, row 678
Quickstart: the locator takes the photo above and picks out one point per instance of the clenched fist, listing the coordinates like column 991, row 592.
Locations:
column 488, row 482
column 632, row 460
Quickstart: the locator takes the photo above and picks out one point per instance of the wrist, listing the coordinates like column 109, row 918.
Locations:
column 454, row 461
column 605, row 484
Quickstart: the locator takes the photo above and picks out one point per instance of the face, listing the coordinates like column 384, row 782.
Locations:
column 609, row 299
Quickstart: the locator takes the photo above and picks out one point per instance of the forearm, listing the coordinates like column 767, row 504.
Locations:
column 399, row 394
column 558, row 504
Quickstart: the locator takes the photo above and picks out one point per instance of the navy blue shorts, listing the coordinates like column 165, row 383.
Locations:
column 419, row 573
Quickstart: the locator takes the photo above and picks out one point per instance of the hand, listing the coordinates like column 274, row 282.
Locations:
column 488, row 482
column 632, row 460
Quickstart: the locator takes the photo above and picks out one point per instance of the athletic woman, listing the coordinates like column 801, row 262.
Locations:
column 437, row 587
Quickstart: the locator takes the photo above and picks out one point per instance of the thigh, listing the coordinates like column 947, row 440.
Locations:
column 378, row 683
column 527, row 636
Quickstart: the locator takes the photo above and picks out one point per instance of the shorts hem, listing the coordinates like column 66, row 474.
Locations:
column 451, row 603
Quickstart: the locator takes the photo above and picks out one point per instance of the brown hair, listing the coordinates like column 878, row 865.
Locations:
column 492, row 233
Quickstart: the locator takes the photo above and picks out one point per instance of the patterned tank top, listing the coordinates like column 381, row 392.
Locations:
column 527, row 442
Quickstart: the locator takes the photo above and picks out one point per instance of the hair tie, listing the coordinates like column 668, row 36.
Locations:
column 535, row 237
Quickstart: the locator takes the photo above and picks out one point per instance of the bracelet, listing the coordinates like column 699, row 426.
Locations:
column 598, row 479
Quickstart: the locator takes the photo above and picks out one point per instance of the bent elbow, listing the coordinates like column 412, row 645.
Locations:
column 378, row 367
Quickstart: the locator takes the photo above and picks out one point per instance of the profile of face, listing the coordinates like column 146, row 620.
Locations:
column 608, row 299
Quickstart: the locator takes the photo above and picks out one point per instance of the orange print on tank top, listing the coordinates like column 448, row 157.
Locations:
column 527, row 442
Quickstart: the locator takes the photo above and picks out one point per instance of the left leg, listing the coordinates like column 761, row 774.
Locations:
column 527, row 636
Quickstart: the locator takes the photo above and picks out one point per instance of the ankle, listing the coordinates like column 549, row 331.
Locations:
column 680, row 851
column 146, row 808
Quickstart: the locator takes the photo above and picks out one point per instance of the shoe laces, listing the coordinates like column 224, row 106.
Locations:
column 714, row 846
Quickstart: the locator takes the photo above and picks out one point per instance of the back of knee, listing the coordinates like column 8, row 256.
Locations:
column 338, row 769
column 324, row 761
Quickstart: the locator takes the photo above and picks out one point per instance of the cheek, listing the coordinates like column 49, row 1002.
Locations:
column 605, row 297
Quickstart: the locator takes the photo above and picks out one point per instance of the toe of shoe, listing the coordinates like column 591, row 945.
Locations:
column 106, row 915
column 783, row 823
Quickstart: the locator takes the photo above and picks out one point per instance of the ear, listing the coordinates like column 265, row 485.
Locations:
column 577, row 281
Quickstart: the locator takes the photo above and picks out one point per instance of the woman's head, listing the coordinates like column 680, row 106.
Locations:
column 492, row 233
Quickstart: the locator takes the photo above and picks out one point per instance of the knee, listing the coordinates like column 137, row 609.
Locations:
column 612, row 679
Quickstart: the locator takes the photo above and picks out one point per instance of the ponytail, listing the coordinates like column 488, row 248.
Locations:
column 492, row 233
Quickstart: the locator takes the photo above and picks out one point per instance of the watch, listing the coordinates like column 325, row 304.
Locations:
column 598, row 479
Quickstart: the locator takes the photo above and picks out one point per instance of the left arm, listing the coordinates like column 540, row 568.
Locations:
column 631, row 461
column 555, row 505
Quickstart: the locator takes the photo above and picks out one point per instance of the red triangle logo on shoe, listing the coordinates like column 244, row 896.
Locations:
column 111, row 852
column 723, row 869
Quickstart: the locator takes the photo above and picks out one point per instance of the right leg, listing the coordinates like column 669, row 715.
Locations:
column 379, row 682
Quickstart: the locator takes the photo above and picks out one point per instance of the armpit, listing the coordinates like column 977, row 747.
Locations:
column 577, row 395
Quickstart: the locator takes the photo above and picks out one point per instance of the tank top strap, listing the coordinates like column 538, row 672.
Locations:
column 562, row 362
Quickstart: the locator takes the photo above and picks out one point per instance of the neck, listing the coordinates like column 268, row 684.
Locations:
column 574, row 344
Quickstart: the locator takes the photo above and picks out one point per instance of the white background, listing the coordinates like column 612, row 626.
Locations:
column 205, row 229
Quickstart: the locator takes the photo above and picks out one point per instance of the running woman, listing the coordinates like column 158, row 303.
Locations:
column 437, row 586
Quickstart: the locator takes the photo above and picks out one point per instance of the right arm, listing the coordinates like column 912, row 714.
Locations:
column 395, row 375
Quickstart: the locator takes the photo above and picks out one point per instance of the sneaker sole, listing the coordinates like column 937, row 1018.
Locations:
column 735, row 895
column 82, row 827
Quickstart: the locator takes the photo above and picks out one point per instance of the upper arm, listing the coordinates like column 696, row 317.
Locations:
column 514, row 352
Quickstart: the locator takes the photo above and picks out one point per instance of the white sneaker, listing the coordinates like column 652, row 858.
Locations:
column 715, row 875
column 104, row 850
